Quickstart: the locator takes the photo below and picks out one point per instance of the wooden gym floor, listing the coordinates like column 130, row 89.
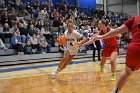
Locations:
column 81, row 76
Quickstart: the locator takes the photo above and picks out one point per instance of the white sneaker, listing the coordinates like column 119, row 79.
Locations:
column 54, row 73
column 22, row 53
column 33, row 50
column 19, row 53
column 115, row 91
column 43, row 52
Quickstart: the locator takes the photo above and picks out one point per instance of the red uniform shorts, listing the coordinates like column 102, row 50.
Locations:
column 133, row 56
column 108, row 50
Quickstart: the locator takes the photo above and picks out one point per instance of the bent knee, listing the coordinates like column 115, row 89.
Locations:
column 112, row 61
column 128, row 70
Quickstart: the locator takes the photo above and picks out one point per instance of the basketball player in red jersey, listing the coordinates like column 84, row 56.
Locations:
column 133, row 50
column 110, row 48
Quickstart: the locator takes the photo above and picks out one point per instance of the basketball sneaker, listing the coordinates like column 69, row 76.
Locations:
column 113, row 77
column 115, row 90
column 101, row 69
column 54, row 73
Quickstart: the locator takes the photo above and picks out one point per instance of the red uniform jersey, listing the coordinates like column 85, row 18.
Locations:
column 133, row 50
column 109, row 41
column 110, row 45
column 133, row 24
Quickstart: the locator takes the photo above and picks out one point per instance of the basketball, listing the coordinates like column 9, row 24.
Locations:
column 62, row 40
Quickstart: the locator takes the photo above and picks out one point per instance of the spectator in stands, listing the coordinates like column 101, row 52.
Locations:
column 13, row 16
column 38, row 24
column 5, row 18
column 55, row 13
column 77, row 22
column 15, row 28
column 56, row 22
column 2, row 46
column 43, row 43
column 19, row 6
column 16, row 43
column 28, row 48
column 28, row 7
column 46, row 15
column 61, row 25
column 49, row 6
column 5, row 32
column 37, row 30
column 70, row 14
column 49, row 38
column 45, row 5
column 111, row 25
column 36, row 12
column 10, row 4
column 31, row 31
column 23, row 9
column 34, row 43
column 65, row 8
column 22, row 21
column 3, row 5
column 41, row 18
column 75, row 13
column 23, row 32
column 29, row 23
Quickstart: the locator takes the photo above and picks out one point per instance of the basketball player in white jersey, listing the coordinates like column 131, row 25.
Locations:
column 71, row 48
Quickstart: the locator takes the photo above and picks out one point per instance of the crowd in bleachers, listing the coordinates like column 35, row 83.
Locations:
column 33, row 27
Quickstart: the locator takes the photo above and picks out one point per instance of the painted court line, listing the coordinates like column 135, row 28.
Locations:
column 46, row 65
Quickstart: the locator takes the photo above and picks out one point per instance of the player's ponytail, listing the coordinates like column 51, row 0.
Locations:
column 104, row 22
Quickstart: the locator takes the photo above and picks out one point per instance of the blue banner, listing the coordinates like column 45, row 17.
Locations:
column 87, row 4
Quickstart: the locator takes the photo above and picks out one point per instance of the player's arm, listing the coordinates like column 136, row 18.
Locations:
column 83, row 39
column 61, row 47
column 89, row 42
column 113, row 32
column 118, row 35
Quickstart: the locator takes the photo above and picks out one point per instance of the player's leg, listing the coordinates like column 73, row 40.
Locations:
column 122, row 79
column 113, row 58
column 64, row 60
column 102, row 63
column 61, row 64
column 68, row 61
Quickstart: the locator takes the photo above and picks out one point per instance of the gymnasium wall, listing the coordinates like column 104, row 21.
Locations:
column 129, row 6
column 99, row 1
column 99, row 4
column 129, row 9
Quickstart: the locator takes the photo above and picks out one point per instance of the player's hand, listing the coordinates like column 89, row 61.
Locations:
column 79, row 44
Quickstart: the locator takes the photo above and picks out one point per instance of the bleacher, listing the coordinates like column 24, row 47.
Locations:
column 8, row 57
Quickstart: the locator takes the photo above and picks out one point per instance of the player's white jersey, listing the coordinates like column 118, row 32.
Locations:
column 71, row 40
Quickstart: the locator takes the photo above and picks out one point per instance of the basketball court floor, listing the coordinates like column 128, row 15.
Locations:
column 81, row 76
